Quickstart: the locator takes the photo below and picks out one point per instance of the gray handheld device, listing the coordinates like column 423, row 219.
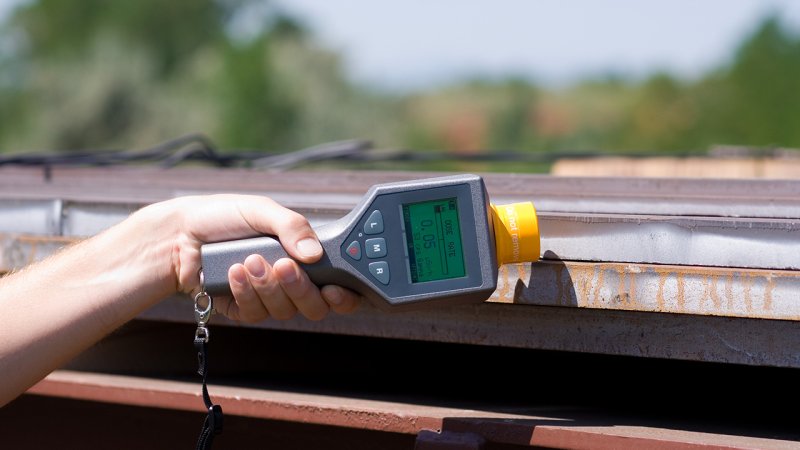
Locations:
column 406, row 244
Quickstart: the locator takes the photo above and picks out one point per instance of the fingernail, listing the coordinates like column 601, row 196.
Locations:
column 238, row 274
column 334, row 296
column 286, row 272
column 309, row 247
column 255, row 266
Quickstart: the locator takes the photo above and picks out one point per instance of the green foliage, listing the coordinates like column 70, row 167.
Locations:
column 94, row 74
column 168, row 30
column 765, row 87
column 255, row 109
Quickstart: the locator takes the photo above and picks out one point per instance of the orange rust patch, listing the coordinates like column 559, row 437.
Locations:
column 768, row 292
column 505, row 292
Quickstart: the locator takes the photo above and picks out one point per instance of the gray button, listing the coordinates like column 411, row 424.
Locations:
column 376, row 247
column 374, row 224
column 380, row 270
column 354, row 250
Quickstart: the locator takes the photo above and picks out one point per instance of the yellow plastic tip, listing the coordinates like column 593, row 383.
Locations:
column 516, row 233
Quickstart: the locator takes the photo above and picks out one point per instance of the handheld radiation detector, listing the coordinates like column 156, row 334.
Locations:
column 406, row 244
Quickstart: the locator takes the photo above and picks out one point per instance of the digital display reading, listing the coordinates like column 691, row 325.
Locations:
column 433, row 238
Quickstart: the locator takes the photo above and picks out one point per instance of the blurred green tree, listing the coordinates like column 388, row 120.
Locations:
column 92, row 74
column 764, row 88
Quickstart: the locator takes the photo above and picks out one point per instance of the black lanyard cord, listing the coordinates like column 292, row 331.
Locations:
column 212, row 425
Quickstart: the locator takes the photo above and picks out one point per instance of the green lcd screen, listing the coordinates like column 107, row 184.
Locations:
column 433, row 239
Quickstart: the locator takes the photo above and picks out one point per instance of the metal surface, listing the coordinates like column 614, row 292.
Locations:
column 697, row 270
column 691, row 241
column 613, row 332
column 17, row 251
column 649, row 196
column 694, row 241
column 716, row 248
column 31, row 216
column 754, row 293
column 556, row 428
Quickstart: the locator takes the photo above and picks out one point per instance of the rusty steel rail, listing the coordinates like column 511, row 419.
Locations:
column 696, row 270
column 715, row 291
column 436, row 427
column 728, row 242
column 702, row 249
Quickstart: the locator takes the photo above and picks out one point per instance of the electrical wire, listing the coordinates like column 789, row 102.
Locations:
column 199, row 149
column 193, row 147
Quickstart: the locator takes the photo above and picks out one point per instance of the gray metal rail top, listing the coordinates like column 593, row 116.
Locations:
column 705, row 270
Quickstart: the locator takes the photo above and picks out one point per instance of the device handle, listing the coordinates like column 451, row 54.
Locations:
column 218, row 257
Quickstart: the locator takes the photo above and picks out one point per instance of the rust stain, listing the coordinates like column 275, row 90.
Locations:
column 681, row 294
column 729, row 290
column 601, row 275
column 504, row 291
column 621, row 284
column 524, row 272
column 768, row 292
column 709, row 292
column 697, row 290
column 625, row 295
column 662, row 280
column 631, row 298
column 747, row 281
column 25, row 249
column 47, row 239
column 583, row 278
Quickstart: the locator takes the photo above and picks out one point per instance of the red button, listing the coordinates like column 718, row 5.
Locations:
column 354, row 250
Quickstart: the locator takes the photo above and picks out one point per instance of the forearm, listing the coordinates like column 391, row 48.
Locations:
column 55, row 309
column 61, row 306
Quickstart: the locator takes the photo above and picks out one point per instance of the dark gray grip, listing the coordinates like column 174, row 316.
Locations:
column 218, row 257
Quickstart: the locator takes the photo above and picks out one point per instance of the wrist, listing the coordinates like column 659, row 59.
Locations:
column 153, row 237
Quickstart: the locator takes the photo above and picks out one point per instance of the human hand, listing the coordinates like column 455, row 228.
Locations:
column 260, row 290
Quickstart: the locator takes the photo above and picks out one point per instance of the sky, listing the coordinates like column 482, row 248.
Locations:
column 413, row 44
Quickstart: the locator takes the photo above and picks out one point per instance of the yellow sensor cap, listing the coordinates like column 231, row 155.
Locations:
column 516, row 233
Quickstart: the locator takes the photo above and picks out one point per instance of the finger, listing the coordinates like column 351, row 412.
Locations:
column 302, row 292
column 341, row 300
column 267, row 289
column 247, row 306
column 292, row 229
column 227, row 307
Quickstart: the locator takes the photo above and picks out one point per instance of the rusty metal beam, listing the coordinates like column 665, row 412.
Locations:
column 19, row 250
column 653, row 196
column 725, row 223
column 597, row 310
column 716, row 291
column 539, row 428
column 741, row 264
column 692, row 241
column 754, row 342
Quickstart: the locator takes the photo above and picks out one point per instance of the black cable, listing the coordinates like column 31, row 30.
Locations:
column 198, row 148
column 169, row 151
column 190, row 148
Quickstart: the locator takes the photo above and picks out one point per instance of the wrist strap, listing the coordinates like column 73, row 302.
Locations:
column 212, row 425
